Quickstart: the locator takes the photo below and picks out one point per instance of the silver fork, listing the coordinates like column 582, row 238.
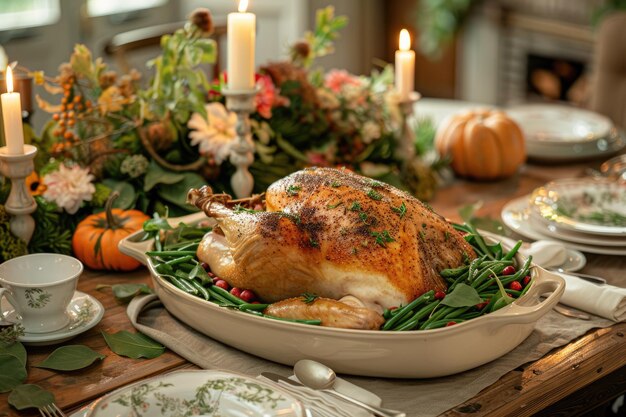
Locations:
column 51, row 410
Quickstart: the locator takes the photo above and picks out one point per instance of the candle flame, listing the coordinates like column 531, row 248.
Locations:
column 243, row 5
column 405, row 40
column 9, row 80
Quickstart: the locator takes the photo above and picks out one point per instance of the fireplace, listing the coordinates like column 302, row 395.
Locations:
column 534, row 50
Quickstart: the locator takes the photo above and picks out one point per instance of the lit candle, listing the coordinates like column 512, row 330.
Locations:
column 12, row 117
column 405, row 66
column 241, row 35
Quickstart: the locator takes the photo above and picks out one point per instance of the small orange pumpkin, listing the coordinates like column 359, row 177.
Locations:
column 483, row 144
column 96, row 237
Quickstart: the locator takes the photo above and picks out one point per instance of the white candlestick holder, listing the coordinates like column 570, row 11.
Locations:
column 20, row 203
column 241, row 102
column 406, row 146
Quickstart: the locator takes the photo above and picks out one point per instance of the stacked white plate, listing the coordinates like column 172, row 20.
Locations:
column 588, row 214
column 563, row 133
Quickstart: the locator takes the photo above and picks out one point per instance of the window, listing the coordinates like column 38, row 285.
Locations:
column 19, row 14
column 107, row 7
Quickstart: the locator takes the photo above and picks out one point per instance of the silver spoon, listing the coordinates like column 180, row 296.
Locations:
column 320, row 377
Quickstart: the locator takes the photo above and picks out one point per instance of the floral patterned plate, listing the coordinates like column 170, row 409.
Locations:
column 195, row 393
column 586, row 205
column 84, row 311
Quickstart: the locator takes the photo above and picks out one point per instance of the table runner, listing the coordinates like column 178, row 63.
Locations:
column 418, row 398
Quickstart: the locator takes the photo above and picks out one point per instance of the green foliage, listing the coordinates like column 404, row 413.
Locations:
column 10, row 245
column 425, row 130
column 53, row 231
column 438, row 21
column 30, row 396
column 321, row 40
column 12, row 372
column 133, row 345
column 126, row 292
column 101, row 195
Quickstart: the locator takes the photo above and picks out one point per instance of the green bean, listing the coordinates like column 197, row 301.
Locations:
column 227, row 295
column 183, row 284
column 457, row 312
column 472, row 315
column 513, row 251
column 201, row 290
column 170, row 253
column 441, row 323
column 164, row 269
column 453, row 272
column 253, row 307
column 437, row 316
column 473, row 266
column 180, row 260
column 407, row 308
column 426, row 310
column 527, row 287
column 215, row 295
column 180, row 244
column 313, row 322
column 459, row 279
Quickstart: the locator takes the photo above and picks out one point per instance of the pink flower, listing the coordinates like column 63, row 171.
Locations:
column 336, row 79
column 266, row 95
column 69, row 187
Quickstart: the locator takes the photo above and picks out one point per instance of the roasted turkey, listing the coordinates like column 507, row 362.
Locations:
column 331, row 233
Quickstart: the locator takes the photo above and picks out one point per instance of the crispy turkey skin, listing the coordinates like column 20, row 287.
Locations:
column 332, row 233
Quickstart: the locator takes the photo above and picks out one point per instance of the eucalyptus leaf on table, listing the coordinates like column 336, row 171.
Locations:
column 126, row 292
column 70, row 358
column 12, row 372
column 16, row 349
column 133, row 345
column 30, row 395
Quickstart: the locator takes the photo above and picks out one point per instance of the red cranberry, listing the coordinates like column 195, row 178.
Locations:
column 247, row 296
column 482, row 305
column 439, row 295
column 222, row 284
column 508, row 270
column 526, row 280
column 205, row 266
column 450, row 323
column 255, row 302
column 236, row 292
column 515, row 286
column 393, row 308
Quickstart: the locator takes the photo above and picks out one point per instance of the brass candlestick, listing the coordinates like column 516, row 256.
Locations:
column 242, row 103
column 20, row 203
column 406, row 148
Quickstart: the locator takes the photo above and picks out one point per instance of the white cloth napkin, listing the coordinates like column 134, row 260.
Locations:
column 603, row 300
column 324, row 405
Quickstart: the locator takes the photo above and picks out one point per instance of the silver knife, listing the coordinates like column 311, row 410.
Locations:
column 276, row 378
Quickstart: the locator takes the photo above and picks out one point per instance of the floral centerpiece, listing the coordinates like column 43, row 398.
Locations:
column 151, row 144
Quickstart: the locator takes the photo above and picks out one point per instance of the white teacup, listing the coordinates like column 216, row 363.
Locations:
column 40, row 287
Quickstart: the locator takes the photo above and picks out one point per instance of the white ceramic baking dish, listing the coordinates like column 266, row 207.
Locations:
column 412, row 354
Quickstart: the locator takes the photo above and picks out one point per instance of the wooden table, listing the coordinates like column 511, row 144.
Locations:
column 578, row 377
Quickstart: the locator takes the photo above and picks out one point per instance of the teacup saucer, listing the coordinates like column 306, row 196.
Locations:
column 84, row 311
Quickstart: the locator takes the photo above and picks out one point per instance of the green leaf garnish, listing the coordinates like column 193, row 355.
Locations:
column 462, row 295
column 12, row 372
column 133, row 345
column 382, row 238
column 356, row 206
column 16, row 349
column 308, row 298
column 335, row 184
column 292, row 190
column 70, row 358
column 240, row 209
column 30, row 396
column 400, row 210
column 374, row 195
column 334, row 206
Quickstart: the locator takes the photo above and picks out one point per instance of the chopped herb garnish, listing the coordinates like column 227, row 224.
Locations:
column 308, row 298
column 382, row 238
column 335, row 184
column 446, row 235
column 422, row 235
column 354, row 251
column 293, row 217
column 400, row 210
column 374, row 195
column 428, row 206
column 334, row 206
column 356, row 206
column 292, row 190
column 240, row 209
column 363, row 217
column 314, row 243
column 376, row 184
column 343, row 231
column 424, row 225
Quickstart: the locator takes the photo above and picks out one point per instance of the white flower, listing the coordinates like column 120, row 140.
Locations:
column 370, row 131
column 69, row 187
column 215, row 135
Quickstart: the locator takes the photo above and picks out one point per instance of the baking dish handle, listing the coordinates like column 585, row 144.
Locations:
column 531, row 307
column 134, row 246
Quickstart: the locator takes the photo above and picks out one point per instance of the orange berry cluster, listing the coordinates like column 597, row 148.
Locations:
column 72, row 105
